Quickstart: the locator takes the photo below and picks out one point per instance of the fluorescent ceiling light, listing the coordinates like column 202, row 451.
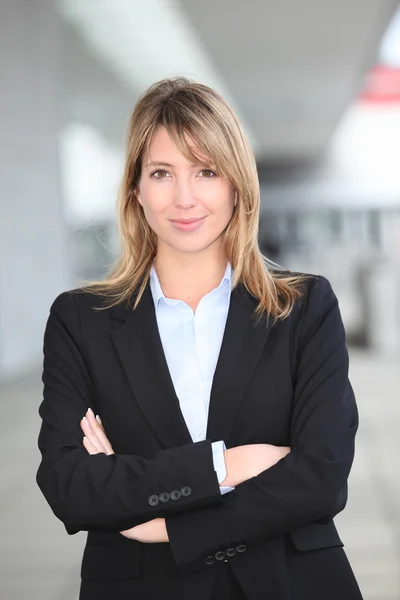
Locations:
column 390, row 47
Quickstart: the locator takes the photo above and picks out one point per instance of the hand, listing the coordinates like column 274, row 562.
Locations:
column 95, row 440
column 152, row 532
column 245, row 462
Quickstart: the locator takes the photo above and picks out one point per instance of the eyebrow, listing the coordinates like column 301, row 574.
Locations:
column 164, row 164
column 158, row 164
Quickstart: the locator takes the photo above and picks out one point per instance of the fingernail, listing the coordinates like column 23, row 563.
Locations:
column 90, row 411
column 84, row 419
column 98, row 419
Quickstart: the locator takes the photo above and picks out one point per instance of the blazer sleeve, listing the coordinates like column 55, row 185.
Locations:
column 97, row 492
column 310, row 482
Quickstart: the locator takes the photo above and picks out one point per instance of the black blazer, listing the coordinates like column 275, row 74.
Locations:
column 285, row 384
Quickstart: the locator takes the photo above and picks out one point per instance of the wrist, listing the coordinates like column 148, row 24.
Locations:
column 225, row 481
column 231, row 479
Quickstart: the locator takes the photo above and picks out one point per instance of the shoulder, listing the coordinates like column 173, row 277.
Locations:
column 316, row 295
column 77, row 301
column 316, row 311
column 77, row 314
column 310, row 284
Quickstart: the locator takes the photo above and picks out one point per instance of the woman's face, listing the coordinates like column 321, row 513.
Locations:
column 188, row 206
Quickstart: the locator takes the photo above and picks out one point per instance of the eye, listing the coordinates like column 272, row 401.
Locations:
column 209, row 174
column 159, row 174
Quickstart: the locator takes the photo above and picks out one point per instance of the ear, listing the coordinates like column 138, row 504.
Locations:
column 138, row 196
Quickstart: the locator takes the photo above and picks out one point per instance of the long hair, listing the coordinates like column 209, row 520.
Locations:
column 186, row 108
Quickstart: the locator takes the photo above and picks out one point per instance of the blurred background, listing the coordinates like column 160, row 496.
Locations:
column 317, row 86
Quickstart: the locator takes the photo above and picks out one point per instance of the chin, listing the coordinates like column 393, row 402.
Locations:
column 191, row 246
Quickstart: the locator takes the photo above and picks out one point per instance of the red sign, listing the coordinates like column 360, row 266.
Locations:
column 382, row 85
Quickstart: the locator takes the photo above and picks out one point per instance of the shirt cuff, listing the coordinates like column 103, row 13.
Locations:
column 219, row 464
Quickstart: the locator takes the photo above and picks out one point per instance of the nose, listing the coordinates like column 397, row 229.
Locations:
column 184, row 197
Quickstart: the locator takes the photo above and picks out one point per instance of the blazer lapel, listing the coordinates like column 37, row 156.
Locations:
column 139, row 347
column 241, row 348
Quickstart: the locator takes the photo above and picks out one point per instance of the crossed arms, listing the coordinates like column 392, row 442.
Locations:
column 89, row 489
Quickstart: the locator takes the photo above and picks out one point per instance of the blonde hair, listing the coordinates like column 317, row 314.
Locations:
column 187, row 108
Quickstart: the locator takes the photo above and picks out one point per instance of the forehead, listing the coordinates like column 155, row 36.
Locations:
column 162, row 145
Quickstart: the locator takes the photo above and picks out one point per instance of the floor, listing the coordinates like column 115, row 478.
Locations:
column 39, row 560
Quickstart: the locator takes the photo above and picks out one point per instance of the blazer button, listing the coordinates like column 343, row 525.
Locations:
column 241, row 548
column 153, row 500
column 164, row 497
column 175, row 495
column 220, row 555
column 209, row 560
column 186, row 490
column 231, row 552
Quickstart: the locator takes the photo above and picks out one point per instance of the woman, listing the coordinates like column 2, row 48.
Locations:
column 198, row 420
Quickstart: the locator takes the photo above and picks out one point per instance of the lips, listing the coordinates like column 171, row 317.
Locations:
column 188, row 224
column 187, row 220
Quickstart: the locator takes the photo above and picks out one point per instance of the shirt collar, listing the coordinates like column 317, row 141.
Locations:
column 156, row 289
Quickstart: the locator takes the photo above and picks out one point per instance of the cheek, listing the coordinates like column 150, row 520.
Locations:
column 153, row 203
column 223, row 204
column 154, row 208
column 151, row 215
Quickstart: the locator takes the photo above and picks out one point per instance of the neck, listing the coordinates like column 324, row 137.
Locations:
column 189, row 277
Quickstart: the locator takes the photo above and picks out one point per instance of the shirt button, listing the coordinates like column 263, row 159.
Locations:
column 220, row 555
column 209, row 560
column 175, row 495
column 153, row 500
column 164, row 497
column 231, row 552
column 241, row 548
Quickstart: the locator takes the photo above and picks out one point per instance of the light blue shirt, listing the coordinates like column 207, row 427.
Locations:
column 192, row 343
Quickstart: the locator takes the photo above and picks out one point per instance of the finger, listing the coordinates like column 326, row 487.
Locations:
column 106, row 441
column 100, row 422
column 96, row 434
column 99, row 431
column 89, row 446
column 91, row 435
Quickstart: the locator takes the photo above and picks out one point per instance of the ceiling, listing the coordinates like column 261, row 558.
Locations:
column 289, row 68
